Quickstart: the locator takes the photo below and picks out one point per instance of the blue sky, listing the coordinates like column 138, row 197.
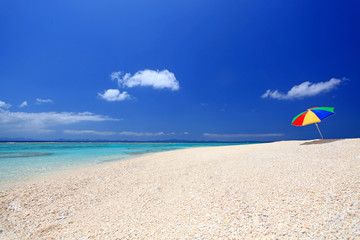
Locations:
column 192, row 70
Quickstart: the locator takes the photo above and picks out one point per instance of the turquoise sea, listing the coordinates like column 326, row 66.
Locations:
column 22, row 161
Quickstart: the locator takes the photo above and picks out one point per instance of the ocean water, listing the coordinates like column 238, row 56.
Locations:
column 22, row 161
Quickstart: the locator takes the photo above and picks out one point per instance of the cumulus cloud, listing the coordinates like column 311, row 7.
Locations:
column 112, row 95
column 40, row 101
column 41, row 122
column 147, row 78
column 23, row 104
column 89, row 132
column 237, row 135
column 4, row 104
column 305, row 89
column 144, row 78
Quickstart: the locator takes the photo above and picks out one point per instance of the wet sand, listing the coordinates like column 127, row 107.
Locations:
column 281, row 190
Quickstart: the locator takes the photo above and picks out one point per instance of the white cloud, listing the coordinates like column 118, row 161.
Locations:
column 305, row 89
column 147, row 78
column 115, row 76
column 237, row 135
column 4, row 104
column 40, row 101
column 89, row 132
column 141, row 134
column 23, row 104
column 112, row 95
column 40, row 122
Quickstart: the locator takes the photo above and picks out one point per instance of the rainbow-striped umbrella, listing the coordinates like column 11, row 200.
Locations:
column 313, row 115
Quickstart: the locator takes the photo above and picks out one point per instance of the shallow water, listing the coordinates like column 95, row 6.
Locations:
column 21, row 161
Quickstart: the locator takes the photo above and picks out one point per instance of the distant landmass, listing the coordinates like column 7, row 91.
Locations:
column 104, row 140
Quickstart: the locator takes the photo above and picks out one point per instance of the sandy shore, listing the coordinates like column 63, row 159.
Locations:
column 281, row 190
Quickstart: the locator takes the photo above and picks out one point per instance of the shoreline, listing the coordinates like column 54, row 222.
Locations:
column 35, row 177
column 85, row 168
column 287, row 189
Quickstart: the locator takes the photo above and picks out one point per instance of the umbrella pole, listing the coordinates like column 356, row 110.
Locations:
column 319, row 131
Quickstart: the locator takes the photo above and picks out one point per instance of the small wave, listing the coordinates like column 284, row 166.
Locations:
column 23, row 154
column 139, row 152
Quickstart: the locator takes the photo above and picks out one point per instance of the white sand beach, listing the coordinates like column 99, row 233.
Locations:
column 281, row 190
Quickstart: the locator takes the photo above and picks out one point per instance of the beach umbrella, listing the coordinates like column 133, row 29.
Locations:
column 313, row 115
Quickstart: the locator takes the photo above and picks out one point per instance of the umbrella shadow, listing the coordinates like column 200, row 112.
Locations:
column 321, row 141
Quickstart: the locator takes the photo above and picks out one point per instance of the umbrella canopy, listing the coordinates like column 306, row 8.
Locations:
column 313, row 115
